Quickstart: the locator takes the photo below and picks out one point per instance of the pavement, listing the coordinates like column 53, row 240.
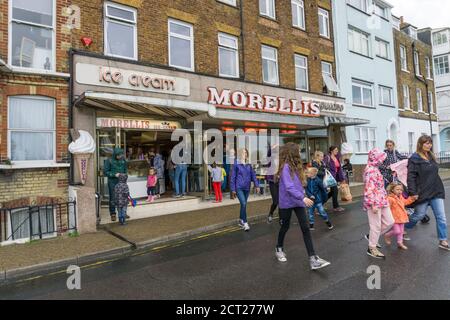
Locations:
column 232, row 264
column 25, row 261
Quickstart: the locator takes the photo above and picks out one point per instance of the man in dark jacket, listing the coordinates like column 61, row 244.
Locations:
column 112, row 168
column 121, row 197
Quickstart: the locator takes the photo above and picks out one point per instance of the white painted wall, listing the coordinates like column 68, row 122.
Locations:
column 418, row 127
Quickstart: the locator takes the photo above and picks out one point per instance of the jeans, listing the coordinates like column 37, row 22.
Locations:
column 321, row 210
column 273, row 187
column 111, row 185
column 180, row 173
column 285, row 219
column 437, row 205
column 334, row 192
column 122, row 214
column 172, row 177
column 243, row 197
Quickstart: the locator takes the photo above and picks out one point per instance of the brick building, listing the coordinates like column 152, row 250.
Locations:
column 415, row 86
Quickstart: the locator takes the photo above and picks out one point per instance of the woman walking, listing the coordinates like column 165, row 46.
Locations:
column 333, row 163
column 292, row 198
column 392, row 156
column 242, row 175
column 424, row 182
column 318, row 163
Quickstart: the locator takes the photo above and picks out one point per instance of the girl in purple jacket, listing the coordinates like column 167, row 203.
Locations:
column 242, row 175
column 292, row 198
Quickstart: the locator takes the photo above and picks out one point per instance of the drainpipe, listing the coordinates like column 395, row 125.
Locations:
column 71, row 169
column 426, row 88
column 241, row 11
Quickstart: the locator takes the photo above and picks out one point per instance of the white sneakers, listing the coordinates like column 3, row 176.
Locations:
column 280, row 255
column 244, row 225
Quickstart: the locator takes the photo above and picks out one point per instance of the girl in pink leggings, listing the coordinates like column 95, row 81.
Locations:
column 397, row 204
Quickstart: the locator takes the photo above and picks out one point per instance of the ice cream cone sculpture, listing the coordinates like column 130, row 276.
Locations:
column 82, row 149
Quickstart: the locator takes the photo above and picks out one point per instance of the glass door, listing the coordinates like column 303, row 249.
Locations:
column 106, row 142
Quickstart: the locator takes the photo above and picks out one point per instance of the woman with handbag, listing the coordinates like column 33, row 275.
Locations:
column 333, row 164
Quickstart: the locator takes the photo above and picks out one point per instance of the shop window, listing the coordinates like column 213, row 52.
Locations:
column 228, row 56
column 362, row 93
column 324, row 23
column 267, row 8
column 181, row 45
column 298, row 14
column 32, row 36
column 120, row 31
column 301, row 72
column 365, row 139
column 31, row 129
column 270, row 65
column 330, row 84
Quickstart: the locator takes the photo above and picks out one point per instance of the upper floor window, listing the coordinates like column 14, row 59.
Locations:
column 428, row 67
column 381, row 11
column 441, row 65
column 383, row 48
column 412, row 32
column 328, row 79
column 270, row 64
column 406, row 97
column 324, row 23
column 359, row 4
column 120, row 31
column 267, row 8
column 181, row 45
column 301, row 72
column 417, row 63
column 230, row 2
column 228, row 56
column 396, row 22
column 32, row 34
column 358, row 41
column 31, row 128
column 298, row 14
column 430, row 101
column 403, row 58
column 386, row 96
column 419, row 100
column 440, row 38
column 362, row 93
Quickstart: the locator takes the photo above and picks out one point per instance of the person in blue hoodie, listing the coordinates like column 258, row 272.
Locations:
column 242, row 175
column 316, row 191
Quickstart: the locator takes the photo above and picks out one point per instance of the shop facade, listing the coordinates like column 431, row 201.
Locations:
column 137, row 107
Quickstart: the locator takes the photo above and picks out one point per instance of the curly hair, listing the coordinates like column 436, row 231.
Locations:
column 290, row 155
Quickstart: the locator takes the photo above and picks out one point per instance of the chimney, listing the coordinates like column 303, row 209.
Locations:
column 402, row 20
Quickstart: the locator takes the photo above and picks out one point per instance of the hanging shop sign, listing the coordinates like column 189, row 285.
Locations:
column 105, row 76
column 137, row 124
column 237, row 99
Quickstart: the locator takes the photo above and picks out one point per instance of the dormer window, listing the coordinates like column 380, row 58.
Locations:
column 412, row 32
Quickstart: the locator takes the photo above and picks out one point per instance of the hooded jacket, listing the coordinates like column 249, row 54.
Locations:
column 397, row 205
column 316, row 189
column 113, row 166
column 291, row 192
column 121, row 192
column 374, row 192
column 424, row 180
column 242, row 176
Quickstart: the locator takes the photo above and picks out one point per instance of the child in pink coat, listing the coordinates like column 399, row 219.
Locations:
column 152, row 180
column 376, row 202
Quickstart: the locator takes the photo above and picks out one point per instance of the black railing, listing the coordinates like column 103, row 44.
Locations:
column 37, row 221
column 441, row 157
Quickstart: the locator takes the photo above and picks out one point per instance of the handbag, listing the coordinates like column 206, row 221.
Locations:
column 329, row 181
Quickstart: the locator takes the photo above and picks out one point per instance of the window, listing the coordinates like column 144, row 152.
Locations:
column 362, row 93
column 31, row 129
column 32, row 34
column 327, row 76
column 267, row 8
column 412, row 32
column 43, row 220
column 301, row 72
column 428, row 67
column 430, row 102
column 440, row 38
column 228, row 56
column 230, row 2
column 419, row 100
column 120, row 31
column 411, row 142
column 396, row 22
column 181, row 45
column 359, row 4
column 381, row 11
column 270, row 64
column 298, row 14
column 386, row 96
column 365, row 139
column 324, row 23
column 417, row 63
column 382, row 49
column 441, row 65
column 358, row 41
column 403, row 58
column 406, row 97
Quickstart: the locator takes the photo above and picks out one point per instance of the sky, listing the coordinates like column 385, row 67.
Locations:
column 423, row 13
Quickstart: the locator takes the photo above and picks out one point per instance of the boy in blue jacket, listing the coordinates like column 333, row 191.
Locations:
column 316, row 191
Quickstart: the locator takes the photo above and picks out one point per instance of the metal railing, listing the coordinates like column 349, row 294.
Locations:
column 441, row 157
column 37, row 221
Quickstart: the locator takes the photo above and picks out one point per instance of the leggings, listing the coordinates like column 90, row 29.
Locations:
column 397, row 231
column 334, row 192
column 285, row 219
column 274, row 193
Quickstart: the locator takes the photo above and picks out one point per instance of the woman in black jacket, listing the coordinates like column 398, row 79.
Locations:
column 424, row 181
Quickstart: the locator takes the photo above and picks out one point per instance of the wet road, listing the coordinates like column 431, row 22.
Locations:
column 238, row 265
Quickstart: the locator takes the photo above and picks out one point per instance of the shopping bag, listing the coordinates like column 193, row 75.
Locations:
column 345, row 192
column 133, row 202
column 328, row 180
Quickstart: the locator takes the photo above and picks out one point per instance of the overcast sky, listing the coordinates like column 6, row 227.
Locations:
column 423, row 13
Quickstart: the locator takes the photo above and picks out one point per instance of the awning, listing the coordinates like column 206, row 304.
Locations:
column 345, row 121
